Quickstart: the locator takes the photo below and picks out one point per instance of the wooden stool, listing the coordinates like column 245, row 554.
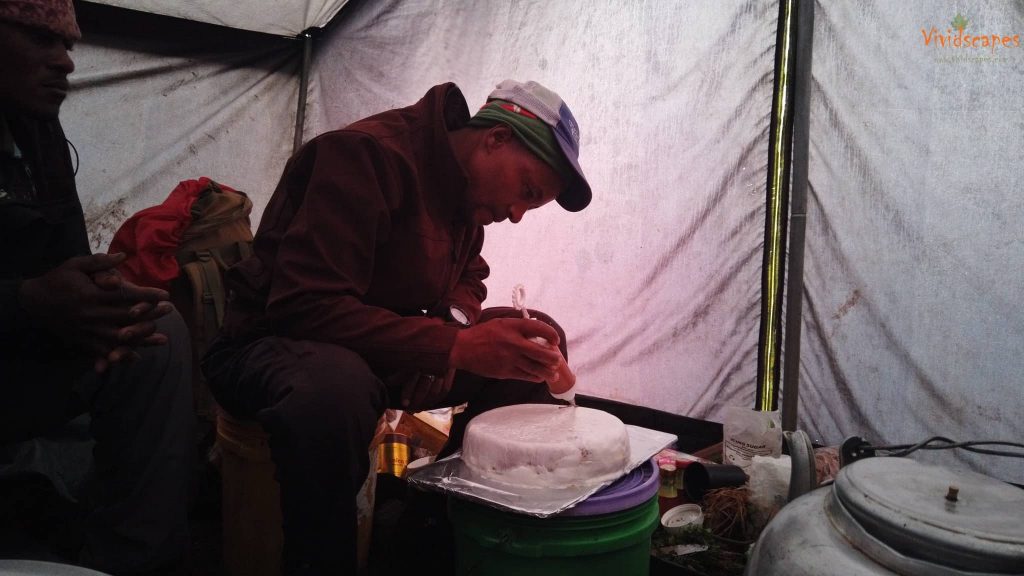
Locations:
column 251, row 508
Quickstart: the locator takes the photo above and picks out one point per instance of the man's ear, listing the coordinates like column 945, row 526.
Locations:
column 498, row 136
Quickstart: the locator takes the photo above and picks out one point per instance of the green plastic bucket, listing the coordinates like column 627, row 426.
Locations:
column 492, row 542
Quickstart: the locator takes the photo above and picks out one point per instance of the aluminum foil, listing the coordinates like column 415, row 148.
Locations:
column 451, row 475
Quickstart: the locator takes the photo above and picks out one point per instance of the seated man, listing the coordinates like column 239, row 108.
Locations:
column 75, row 336
column 365, row 292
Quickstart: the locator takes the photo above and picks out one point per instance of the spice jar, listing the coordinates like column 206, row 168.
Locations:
column 667, row 488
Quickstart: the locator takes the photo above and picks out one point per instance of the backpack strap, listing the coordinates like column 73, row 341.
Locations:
column 227, row 255
column 207, row 295
column 245, row 249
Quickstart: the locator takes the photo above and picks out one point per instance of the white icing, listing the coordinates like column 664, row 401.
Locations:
column 546, row 446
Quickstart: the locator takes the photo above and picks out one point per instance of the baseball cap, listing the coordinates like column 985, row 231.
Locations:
column 553, row 111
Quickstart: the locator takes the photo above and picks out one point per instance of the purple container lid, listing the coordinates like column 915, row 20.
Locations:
column 633, row 489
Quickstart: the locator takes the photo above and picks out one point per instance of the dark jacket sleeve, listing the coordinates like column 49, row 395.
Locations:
column 13, row 320
column 470, row 292
column 325, row 259
column 39, row 234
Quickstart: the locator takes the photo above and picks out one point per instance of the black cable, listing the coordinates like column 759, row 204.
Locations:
column 70, row 143
column 923, row 444
column 995, row 452
column 971, row 446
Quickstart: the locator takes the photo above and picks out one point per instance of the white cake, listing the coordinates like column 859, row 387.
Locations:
column 546, row 446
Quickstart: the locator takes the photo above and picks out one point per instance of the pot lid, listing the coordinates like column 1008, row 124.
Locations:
column 958, row 519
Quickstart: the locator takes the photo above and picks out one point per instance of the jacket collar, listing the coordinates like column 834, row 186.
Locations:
column 449, row 105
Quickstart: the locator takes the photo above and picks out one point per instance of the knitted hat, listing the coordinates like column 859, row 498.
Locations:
column 57, row 16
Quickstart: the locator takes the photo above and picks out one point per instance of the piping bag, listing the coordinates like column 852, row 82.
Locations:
column 519, row 303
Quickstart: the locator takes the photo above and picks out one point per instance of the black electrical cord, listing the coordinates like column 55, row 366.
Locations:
column 75, row 150
column 971, row 446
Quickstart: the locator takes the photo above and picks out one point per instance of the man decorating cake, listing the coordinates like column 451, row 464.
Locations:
column 365, row 292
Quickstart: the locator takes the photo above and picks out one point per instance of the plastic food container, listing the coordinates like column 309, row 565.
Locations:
column 681, row 518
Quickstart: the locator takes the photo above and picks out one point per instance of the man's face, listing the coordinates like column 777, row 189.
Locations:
column 34, row 68
column 506, row 179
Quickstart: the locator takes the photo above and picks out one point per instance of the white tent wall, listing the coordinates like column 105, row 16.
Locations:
column 914, row 272
column 914, row 260
column 156, row 101
column 657, row 282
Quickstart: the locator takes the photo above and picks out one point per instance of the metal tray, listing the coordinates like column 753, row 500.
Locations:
column 452, row 476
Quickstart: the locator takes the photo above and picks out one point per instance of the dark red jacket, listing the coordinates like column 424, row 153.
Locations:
column 363, row 236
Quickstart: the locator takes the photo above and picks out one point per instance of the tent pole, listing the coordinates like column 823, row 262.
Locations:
column 300, row 114
column 773, row 269
column 798, row 212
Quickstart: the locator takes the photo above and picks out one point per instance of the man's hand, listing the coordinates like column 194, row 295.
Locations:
column 86, row 303
column 501, row 348
column 426, row 391
column 151, row 304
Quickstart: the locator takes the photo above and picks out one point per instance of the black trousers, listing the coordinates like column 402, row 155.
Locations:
column 143, row 422
column 320, row 404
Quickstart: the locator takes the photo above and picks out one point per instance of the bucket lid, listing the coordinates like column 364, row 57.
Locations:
column 909, row 506
column 633, row 489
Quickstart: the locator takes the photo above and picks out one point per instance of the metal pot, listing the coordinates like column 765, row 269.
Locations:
column 897, row 516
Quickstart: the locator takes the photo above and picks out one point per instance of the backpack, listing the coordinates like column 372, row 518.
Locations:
column 218, row 236
column 184, row 245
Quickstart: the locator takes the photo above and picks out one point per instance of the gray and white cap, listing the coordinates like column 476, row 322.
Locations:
column 553, row 111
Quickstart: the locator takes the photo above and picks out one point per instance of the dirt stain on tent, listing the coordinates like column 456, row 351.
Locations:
column 848, row 305
column 103, row 223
